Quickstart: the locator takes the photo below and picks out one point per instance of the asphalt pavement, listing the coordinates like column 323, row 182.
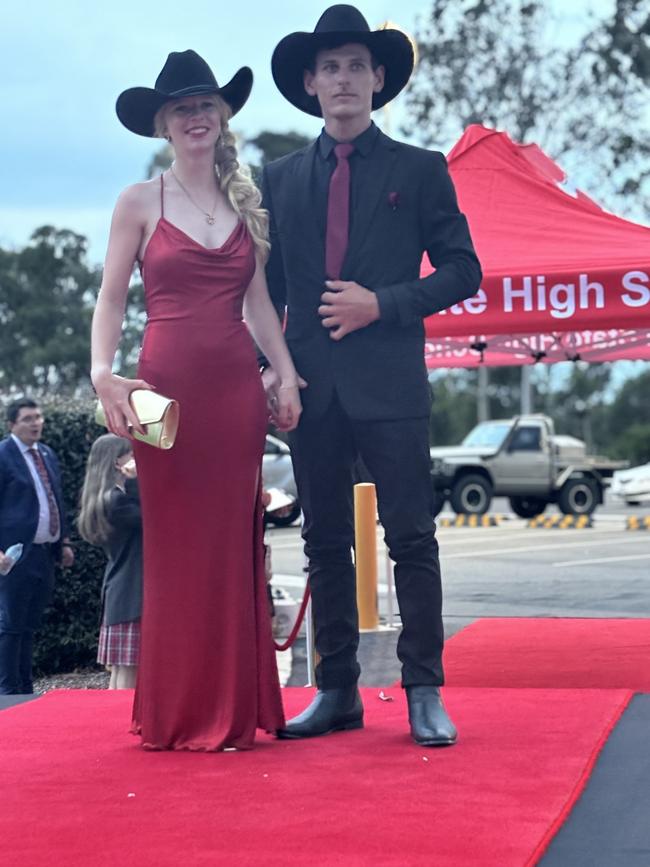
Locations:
column 508, row 570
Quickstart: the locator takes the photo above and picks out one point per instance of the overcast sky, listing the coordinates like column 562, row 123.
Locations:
column 64, row 156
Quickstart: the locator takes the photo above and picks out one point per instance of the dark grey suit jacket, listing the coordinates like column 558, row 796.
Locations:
column 378, row 372
column 122, row 586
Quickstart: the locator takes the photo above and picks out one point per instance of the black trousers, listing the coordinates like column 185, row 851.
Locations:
column 24, row 594
column 396, row 454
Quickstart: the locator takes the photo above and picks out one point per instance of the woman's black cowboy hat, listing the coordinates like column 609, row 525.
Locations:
column 340, row 25
column 184, row 74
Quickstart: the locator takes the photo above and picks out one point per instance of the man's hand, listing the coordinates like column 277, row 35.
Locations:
column 347, row 307
column 67, row 556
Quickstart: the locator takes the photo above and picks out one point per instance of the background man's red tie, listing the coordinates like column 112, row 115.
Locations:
column 338, row 212
column 54, row 525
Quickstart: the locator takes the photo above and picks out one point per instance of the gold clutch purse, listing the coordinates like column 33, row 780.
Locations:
column 158, row 414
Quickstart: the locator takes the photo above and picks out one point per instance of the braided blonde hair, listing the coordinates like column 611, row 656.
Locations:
column 235, row 180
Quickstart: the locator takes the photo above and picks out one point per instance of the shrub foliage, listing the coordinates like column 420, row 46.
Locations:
column 68, row 638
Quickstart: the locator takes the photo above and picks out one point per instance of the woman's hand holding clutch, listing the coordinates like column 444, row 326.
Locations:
column 113, row 392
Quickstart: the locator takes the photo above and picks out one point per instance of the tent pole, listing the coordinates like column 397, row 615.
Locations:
column 526, row 390
column 482, row 403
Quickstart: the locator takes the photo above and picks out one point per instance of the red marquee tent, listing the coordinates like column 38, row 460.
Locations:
column 563, row 279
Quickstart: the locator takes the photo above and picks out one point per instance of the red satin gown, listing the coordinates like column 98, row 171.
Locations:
column 207, row 677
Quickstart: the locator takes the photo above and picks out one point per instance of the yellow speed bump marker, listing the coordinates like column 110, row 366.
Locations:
column 561, row 522
column 470, row 521
column 638, row 522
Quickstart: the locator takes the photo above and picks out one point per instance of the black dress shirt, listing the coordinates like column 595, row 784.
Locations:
column 360, row 172
column 403, row 204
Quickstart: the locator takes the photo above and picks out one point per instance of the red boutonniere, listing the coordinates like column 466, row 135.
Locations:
column 393, row 201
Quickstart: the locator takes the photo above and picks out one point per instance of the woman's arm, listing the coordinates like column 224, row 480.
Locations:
column 127, row 229
column 263, row 323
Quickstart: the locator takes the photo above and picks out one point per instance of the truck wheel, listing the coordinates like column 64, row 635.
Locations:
column 471, row 495
column 528, row 507
column 578, row 497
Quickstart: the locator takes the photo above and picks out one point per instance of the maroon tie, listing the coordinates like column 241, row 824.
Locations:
column 54, row 525
column 338, row 212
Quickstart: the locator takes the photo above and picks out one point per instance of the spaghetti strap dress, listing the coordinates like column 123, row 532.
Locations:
column 207, row 677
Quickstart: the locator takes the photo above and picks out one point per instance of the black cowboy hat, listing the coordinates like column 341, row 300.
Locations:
column 340, row 25
column 184, row 74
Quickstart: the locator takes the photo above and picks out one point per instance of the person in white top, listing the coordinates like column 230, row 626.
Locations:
column 31, row 513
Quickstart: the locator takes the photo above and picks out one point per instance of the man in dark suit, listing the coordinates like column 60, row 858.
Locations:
column 31, row 512
column 351, row 216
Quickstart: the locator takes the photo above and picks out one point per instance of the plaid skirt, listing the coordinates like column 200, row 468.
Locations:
column 119, row 644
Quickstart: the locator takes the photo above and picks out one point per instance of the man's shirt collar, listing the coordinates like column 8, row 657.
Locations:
column 24, row 448
column 363, row 143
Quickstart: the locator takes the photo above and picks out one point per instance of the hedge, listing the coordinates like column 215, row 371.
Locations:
column 68, row 637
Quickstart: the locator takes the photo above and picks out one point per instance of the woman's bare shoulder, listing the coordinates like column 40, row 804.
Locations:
column 142, row 194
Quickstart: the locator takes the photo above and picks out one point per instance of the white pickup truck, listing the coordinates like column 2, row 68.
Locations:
column 523, row 459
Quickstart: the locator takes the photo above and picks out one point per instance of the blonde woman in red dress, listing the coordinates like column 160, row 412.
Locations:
column 207, row 675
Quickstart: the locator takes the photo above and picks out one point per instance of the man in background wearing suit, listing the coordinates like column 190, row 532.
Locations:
column 31, row 512
column 350, row 218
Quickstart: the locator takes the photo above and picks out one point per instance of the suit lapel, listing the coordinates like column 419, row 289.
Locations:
column 382, row 161
column 303, row 205
column 18, row 461
column 22, row 470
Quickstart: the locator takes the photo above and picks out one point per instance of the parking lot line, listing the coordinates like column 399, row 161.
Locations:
column 300, row 580
column 603, row 560
column 526, row 549
column 485, row 535
column 452, row 539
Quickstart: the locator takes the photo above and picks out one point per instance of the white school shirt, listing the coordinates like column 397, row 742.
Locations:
column 43, row 534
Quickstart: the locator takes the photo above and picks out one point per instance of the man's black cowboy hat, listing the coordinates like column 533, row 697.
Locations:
column 184, row 74
column 340, row 25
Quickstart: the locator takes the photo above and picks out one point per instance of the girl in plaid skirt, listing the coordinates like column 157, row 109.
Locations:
column 110, row 517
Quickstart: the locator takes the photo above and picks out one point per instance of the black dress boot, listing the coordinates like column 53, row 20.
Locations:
column 332, row 710
column 430, row 724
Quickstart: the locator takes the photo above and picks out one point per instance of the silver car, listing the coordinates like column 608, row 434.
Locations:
column 277, row 472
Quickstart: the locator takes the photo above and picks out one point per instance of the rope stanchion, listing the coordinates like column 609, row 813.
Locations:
column 296, row 626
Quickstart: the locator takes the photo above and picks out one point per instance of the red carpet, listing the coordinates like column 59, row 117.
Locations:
column 551, row 653
column 79, row 792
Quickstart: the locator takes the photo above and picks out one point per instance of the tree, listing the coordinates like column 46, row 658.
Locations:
column 494, row 62
column 609, row 126
column 269, row 146
column 273, row 145
column 484, row 61
column 160, row 161
column 578, row 406
column 624, row 430
column 453, row 411
column 47, row 296
column 132, row 329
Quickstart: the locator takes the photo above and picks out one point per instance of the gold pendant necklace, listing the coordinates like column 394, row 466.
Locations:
column 209, row 217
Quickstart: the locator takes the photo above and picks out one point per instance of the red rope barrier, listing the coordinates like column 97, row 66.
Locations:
column 296, row 626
